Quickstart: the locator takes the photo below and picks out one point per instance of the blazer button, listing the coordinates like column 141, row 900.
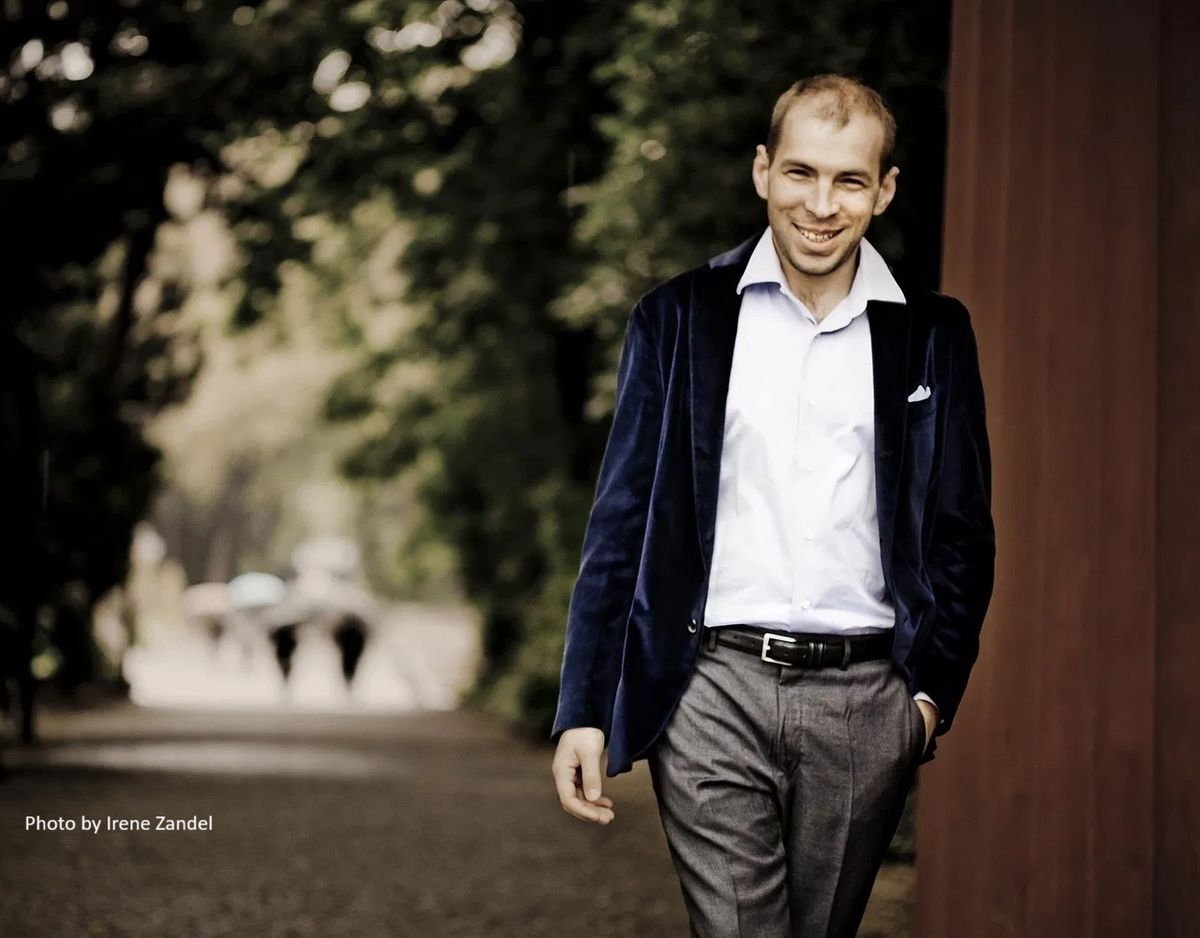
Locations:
column 692, row 626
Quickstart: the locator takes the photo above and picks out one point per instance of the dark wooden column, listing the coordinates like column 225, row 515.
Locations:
column 1064, row 802
column 1177, row 692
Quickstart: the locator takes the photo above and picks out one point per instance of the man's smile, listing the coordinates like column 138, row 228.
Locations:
column 818, row 235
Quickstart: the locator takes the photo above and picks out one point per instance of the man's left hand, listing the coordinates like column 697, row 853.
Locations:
column 930, row 713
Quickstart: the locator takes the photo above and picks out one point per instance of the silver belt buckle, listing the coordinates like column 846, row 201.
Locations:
column 766, row 647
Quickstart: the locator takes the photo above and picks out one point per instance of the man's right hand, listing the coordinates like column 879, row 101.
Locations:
column 576, row 769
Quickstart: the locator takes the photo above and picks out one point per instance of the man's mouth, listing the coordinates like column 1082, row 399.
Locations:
column 817, row 235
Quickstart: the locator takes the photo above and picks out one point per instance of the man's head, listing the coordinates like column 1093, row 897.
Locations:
column 825, row 171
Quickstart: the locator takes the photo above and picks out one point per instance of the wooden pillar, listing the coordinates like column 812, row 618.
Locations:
column 1064, row 801
column 1177, row 693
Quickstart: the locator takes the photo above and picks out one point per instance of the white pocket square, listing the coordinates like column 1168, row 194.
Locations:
column 919, row 394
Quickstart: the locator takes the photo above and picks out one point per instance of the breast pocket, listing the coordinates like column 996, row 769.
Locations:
column 921, row 431
column 921, row 411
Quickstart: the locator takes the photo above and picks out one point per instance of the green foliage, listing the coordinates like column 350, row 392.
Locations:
column 695, row 83
column 692, row 86
column 487, row 424
column 101, row 100
column 546, row 192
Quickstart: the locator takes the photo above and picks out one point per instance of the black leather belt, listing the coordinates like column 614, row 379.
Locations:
column 803, row 650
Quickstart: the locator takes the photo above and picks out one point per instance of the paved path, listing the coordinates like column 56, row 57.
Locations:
column 423, row 825
column 343, row 822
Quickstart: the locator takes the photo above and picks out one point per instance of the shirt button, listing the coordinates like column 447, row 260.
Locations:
column 808, row 535
column 806, row 605
column 692, row 626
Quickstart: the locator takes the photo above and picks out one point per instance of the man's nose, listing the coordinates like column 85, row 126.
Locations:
column 820, row 203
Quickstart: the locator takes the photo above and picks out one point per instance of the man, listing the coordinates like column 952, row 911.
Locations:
column 791, row 549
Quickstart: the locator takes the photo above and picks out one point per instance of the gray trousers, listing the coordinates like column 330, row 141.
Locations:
column 779, row 790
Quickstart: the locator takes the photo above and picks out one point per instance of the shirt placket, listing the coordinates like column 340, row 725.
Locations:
column 804, row 468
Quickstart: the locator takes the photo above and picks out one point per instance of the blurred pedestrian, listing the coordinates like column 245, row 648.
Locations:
column 284, row 641
column 350, row 636
column 791, row 550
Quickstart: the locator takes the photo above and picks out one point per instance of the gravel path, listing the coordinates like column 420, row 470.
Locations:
column 426, row 824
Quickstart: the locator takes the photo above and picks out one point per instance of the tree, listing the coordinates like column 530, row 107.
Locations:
column 101, row 100
column 554, row 161
column 495, row 384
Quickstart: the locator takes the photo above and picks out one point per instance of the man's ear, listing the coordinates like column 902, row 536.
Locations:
column 887, row 190
column 760, row 171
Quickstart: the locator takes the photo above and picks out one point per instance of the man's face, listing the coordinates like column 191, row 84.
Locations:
column 822, row 188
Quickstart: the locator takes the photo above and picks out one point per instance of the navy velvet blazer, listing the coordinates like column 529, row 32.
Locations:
column 633, row 629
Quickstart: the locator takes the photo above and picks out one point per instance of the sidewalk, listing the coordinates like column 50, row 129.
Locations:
column 422, row 824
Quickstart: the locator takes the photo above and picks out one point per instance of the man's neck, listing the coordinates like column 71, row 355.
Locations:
column 821, row 294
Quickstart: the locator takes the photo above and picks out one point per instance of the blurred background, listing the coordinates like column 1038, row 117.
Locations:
column 307, row 351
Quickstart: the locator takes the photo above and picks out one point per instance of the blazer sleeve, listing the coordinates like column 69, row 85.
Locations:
column 961, row 556
column 612, row 545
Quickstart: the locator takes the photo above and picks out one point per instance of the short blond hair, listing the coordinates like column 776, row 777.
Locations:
column 843, row 97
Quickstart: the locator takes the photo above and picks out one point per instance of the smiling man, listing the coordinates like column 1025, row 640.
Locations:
column 791, row 550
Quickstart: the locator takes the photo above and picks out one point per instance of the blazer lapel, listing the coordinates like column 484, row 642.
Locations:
column 891, row 326
column 715, row 305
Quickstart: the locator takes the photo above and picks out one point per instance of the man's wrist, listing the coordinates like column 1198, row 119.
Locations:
column 921, row 695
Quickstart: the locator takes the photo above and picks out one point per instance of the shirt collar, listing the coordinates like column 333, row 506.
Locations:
column 872, row 281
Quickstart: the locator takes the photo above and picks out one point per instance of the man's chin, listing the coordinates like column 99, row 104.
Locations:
column 812, row 266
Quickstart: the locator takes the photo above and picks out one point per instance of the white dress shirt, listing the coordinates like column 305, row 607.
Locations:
column 796, row 545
